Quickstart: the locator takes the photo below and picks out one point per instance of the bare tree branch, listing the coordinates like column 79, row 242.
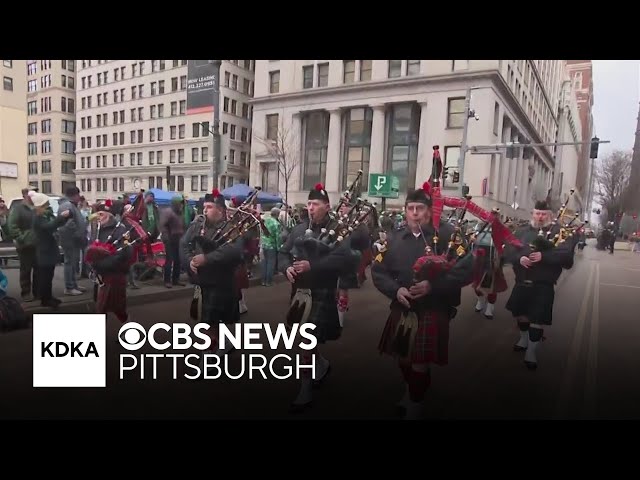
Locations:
column 283, row 150
column 612, row 181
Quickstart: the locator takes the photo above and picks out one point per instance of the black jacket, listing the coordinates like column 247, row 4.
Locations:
column 548, row 270
column 360, row 241
column 44, row 229
column 221, row 263
column 120, row 261
column 325, row 269
column 394, row 269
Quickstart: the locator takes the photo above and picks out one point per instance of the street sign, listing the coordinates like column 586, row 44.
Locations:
column 382, row 185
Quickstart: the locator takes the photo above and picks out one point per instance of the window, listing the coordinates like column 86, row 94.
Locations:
column 244, row 134
column 140, row 137
column 139, row 157
column 70, row 147
column 234, row 107
column 365, row 70
column 274, row 81
column 121, row 138
column 32, row 148
column 243, row 159
column 161, row 110
column 204, row 154
column 132, row 159
column 173, row 132
column 195, row 153
column 204, row 183
column 451, row 156
column 67, row 167
column 496, row 118
column 180, row 183
column 46, row 166
column 152, row 111
column 83, row 185
column 71, row 82
column 245, row 110
column 183, row 82
column 121, row 160
column 32, row 108
column 159, row 157
column 172, row 156
column 246, row 84
column 272, row 127
column 152, row 134
column 32, row 67
column 114, row 160
column 33, row 168
column 7, row 63
column 7, row 83
column 122, row 184
column 403, row 143
column 196, row 130
column 357, row 145
column 183, row 107
column 460, row 65
column 114, row 184
column 160, row 133
column 455, row 112
column 152, row 158
column 194, row 183
column 69, row 126
column 174, row 84
column 133, row 136
column 413, row 67
column 269, row 176
column 227, row 78
column 225, row 127
column 349, row 71
column 323, row 75
column 315, row 150
column 205, row 129
column 174, row 109
column 46, row 146
column 63, row 102
column 46, row 126
column 395, row 67
column 181, row 131
column 46, row 186
column 32, row 128
column 232, row 133
column 225, row 104
column 234, row 82
column 32, row 85
column 181, row 155
column 232, row 156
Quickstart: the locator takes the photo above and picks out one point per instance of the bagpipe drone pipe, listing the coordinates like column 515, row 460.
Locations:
column 315, row 245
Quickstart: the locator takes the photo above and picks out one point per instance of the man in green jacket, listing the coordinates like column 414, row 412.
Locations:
column 20, row 228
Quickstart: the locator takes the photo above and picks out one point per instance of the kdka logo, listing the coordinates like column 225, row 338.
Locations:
column 69, row 350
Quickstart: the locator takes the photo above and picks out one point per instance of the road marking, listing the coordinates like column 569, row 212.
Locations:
column 618, row 285
column 592, row 355
column 574, row 351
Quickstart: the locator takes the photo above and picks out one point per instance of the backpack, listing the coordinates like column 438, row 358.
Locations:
column 12, row 315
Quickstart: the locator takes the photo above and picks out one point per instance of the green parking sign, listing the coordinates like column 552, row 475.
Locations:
column 382, row 185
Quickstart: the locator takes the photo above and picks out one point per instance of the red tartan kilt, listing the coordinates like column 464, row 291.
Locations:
column 242, row 278
column 112, row 296
column 499, row 285
column 367, row 258
column 431, row 343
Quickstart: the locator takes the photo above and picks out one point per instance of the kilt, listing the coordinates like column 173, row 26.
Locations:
column 499, row 283
column 431, row 340
column 213, row 305
column 324, row 314
column 112, row 296
column 532, row 301
column 367, row 258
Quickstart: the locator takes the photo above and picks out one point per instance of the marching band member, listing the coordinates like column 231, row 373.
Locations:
column 110, row 294
column 213, row 270
column 488, row 278
column 433, row 304
column 537, row 272
column 321, row 277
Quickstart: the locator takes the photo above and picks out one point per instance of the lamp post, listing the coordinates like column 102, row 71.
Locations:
column 468, row 113
column 216, row 122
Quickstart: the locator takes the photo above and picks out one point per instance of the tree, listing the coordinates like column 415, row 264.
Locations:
column 282, row 147
column 612, row 180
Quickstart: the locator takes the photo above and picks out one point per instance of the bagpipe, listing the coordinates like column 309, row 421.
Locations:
column 331, row 236
column 559, row 232
column 115, row 243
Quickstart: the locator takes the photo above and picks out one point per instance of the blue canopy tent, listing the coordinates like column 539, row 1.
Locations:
column 163, row 197
column 241, row 191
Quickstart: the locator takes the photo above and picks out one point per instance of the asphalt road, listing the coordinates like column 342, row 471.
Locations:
column 587, row 364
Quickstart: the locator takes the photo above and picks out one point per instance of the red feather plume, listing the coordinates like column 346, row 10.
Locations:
column 319, row 186
column 108, row 203
column 215, row 192
column 426, row 186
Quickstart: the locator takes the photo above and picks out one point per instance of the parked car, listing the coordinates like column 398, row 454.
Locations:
column 8, row 249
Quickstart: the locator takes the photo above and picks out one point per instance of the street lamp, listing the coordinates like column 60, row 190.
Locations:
column 216, row 121
column 468, row 113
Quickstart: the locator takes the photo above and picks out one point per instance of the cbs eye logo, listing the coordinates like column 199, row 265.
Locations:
column 132, row 336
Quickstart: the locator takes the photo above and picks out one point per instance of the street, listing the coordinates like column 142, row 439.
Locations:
column 586, row 366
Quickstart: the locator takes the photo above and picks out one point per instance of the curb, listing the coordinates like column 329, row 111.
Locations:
column 86, row 305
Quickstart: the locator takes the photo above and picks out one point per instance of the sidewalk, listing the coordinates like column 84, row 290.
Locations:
column 149, row 292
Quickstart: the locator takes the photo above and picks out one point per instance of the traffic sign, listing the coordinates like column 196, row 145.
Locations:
column 382, row 185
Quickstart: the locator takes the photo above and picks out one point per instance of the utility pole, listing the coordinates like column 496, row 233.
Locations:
column 216, row 123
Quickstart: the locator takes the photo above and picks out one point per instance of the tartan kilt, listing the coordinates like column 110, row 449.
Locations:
column 367, row 258
column 241, row 278
column 532, row 301
column 213, row 305
column 430, row 343
column 112, row 296
column 324, row 314
column 499, row 283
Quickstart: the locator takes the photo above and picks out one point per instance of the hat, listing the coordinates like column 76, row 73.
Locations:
column 39, row 199
column 541, row 205
column 420, row 195
column 319, row 193
column 215, row 197
column 149, row 194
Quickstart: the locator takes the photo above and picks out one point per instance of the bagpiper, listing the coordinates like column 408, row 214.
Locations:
column 488, row 278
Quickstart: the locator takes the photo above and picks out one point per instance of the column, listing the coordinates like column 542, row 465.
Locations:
column 296, row 154
column 425, row 151
column 376, row 155
column 503, row 185
column 332, row 180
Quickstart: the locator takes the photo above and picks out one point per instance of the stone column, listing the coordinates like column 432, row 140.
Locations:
column 376, row 155
column 425, row 151
column 332, row 180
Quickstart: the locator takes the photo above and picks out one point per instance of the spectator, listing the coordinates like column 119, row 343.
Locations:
column 172, row 228
column 150, row 217
column 45, row 225
column 20, row 229
column 73, row 240
column 270, row 247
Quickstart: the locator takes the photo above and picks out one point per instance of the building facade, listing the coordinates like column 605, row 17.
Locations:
column 13, row 129
column 51, row 128
column 132, row 125
column 384, row 116
column 581, row 76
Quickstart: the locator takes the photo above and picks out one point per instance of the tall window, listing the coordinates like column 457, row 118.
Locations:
column 274, row 81
column 455, row 112
column 349, row 71
column 315, row 153
column 272, row 126
column 451, row 156
column 307, row 76
column 365, row 70
column 357, row 146
column 460, row 65
column 413, row 67
column 395, row 68
column 403, row 144
column 323, row 75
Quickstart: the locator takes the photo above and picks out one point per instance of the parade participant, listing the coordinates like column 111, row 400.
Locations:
column 360, row 242
column 110, row 254
column 488, row 278
column 537, row 266
column 172, row 227
column 393, row 275
column 320, row 276
column 212, row 268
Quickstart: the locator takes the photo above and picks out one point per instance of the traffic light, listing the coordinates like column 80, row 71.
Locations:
column 456, row 177
column 594, row 147
column 445, row 173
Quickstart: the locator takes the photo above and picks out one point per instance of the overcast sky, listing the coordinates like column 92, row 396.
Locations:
column 616, row 91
